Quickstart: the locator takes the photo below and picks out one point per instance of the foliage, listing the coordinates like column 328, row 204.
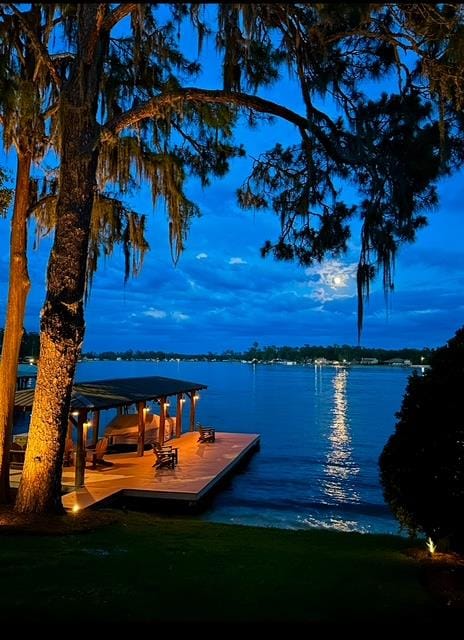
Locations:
column 422, row 464
column 392, row 149
column 5, row 194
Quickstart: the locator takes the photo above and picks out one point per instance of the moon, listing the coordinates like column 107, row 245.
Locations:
column 337, row 280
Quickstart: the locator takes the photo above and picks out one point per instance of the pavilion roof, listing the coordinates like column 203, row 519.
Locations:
column 106, row 394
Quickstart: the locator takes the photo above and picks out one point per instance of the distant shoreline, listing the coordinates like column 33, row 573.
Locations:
column 335, row 365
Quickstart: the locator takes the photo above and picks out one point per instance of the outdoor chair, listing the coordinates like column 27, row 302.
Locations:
column 94, row 454
column 207, row 434
column 167, row 448
column 164, row 457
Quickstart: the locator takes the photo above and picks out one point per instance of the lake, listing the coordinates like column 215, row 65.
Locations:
column 322, row 430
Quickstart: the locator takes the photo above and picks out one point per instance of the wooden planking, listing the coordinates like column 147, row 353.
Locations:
column 201, row 466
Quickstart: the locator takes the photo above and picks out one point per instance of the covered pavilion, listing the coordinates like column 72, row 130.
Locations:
column 120, row 393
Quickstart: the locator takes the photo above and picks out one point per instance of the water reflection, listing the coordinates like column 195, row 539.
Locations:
column 340, row 468
column 317, row 379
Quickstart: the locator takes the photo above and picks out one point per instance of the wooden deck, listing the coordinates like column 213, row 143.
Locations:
column 199, row 470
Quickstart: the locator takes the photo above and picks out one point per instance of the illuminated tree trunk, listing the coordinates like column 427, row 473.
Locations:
column 18, row 289
column 62, row 321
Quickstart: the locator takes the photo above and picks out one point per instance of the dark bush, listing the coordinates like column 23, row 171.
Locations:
column 422, row 464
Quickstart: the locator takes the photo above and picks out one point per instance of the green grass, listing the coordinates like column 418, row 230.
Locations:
column 145, row 568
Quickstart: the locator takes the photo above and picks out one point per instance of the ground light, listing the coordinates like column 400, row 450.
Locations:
column 431, row 546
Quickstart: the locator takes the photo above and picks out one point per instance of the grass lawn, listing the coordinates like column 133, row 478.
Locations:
column 148, row 568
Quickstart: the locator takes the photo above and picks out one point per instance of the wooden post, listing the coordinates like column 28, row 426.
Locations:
column 68, row 458
column 96, row 426
column 180, row 406
column 162, row 427
column 71, row 424
column 80, row 450
column 192, row 410
column 141, row 435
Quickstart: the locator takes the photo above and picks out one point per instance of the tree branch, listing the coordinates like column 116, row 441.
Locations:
column 155, row 107
column 118, row 14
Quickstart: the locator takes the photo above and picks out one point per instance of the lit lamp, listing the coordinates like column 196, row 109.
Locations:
column 196, row 396
column 86, row 426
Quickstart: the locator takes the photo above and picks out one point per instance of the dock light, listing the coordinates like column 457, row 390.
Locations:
column 167, row 404
column 146, row 409
column 75, row 413
column 196, row 396
column 182, row 400
column 75, row 508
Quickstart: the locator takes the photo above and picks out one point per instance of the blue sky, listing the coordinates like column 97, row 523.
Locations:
column 223, row 295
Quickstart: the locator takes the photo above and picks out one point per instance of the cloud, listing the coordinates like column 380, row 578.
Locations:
column 237, row 261
column 155, row 313
column 202, row 256
column 331, row 280
column 178, row 316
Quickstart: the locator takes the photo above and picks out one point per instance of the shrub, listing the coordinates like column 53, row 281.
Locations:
column 422, row 464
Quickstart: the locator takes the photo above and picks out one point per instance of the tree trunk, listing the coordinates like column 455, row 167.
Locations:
column 18, row 289
column 62, row 321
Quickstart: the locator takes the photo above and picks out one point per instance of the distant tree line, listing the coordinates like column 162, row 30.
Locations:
column 30, row 344
column 306, row 353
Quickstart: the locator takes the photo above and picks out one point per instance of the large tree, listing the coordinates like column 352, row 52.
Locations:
column 62, row 322
column 139, row 80
column 29, row 92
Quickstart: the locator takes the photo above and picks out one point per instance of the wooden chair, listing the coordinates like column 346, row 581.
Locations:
column 167, row 448
column 207, row 434
column 95, row 454
column 164, row 457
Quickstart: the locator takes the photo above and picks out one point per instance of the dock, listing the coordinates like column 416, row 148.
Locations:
column 201, row 469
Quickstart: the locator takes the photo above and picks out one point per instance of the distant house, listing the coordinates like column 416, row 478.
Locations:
column 398, row 362
column 368, row 361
